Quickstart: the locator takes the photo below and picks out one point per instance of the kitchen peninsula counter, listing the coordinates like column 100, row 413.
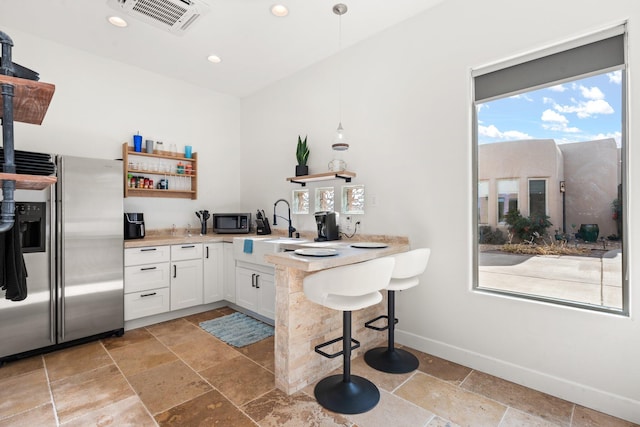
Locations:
column 181, row 239
column 300, row 324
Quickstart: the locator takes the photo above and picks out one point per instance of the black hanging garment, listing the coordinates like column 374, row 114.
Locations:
column 13, row 271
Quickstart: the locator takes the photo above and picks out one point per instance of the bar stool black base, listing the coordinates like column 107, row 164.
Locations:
column 396, row 361
column 354, row 397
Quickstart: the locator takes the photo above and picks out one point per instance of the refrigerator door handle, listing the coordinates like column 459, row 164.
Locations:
column 52, row 263
column 61, row 259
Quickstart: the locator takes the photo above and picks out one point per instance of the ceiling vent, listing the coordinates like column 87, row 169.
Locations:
column 175, row 16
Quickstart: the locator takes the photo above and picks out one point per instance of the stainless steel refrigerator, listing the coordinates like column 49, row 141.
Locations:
column 72, row 238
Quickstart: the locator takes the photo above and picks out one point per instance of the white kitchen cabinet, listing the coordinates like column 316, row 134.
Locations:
column 146, row 281
column 212, row 269
column 229, row 275
column 186, row 276
column 255, row 289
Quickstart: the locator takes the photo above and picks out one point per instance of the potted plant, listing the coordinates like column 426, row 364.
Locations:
column 302, row 155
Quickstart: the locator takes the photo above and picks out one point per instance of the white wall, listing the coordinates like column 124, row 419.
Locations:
column 99, row 104
column 406, row 108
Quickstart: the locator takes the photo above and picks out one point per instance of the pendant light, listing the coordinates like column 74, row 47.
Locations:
column 339, row 141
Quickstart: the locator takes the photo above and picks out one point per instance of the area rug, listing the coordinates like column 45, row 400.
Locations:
column 237, row 329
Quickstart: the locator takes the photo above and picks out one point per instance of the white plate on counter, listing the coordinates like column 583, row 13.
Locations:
column 369, row 245
column 316, row 252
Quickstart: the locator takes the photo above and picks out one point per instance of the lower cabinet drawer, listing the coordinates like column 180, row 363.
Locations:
column 146, row 303
column 149, row 276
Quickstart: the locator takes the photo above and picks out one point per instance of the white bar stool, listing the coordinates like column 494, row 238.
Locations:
column 409, row 265
column 348, row 288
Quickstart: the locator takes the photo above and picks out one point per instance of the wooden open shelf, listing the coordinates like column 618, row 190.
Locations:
column 128, row 151
column 28, row 182
column 325, row 176
column 31, row 99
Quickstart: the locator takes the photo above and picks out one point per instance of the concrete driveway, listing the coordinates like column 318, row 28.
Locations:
column 584, row 279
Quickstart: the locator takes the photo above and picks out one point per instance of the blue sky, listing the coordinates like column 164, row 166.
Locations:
column 581, row 110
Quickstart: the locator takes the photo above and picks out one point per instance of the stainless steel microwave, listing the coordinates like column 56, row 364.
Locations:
column 231, row 222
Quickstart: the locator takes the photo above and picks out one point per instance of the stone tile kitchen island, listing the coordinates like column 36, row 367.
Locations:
column 300, row 324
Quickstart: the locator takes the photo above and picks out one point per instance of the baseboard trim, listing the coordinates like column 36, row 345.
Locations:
column 599, row 400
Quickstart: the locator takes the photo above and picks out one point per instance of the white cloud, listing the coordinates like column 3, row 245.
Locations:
column 522, row 96
column 493, row 132
column 558, row 88
column 591, row 92
column 586, row 109
column 546, row 100
column 615, row 77
column 549, row 115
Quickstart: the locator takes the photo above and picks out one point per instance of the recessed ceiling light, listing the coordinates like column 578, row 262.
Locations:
column 279, row 10
column 117, row 21
column 214, row 58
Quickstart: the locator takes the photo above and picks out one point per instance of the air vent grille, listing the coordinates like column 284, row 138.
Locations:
column 175, row 16
column 161, row 10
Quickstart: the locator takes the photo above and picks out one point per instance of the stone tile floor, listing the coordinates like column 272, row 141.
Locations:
column 174, row 373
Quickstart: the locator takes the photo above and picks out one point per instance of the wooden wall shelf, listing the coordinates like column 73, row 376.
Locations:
column 302, row 180
column 156, row 175
column 31, row 99
column 28, row 182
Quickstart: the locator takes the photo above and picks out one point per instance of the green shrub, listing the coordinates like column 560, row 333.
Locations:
column 524, row 228
column 491, row 237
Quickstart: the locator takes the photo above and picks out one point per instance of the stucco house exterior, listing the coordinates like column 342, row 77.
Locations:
column 530, row 175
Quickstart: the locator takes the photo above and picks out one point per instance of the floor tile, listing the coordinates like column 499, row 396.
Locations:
column 585, row 417
column 208, row 409
column 441, row 368
column 451, row 402
column 22, row 366
column 533, row 402
column 126, row 412
column 41, row 416
column 441, row 422
column 276, row 409
column 76, row 395
column 204, row 352
column 130, row 337
column 240, row 379
column 383, row 380
column 167, row 385
column 143, row 355
column 74, row 360
column 261, row 352
column 515, row 418
column 390, row 410
column 175, row 332
column 203, row 317
column 23, row 392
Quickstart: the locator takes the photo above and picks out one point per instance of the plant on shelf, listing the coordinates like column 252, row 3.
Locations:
column 302, row 155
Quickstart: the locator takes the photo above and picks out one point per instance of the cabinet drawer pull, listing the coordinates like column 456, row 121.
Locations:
column 148, row 295
column 257, row 284
column 188, row 246
column 148, row 268
column 148, row 249
column 253, row 280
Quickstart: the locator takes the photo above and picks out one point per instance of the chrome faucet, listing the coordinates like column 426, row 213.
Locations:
column 291, row 228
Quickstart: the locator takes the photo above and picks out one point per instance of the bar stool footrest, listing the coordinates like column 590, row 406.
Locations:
column 340, row 353
column 379, row 328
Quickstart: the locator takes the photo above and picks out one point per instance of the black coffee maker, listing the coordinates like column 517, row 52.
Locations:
column 327, row 223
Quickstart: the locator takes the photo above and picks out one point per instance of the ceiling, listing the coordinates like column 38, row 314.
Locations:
column 256, row 48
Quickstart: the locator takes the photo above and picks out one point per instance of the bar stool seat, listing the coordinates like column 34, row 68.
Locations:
column 347, row 288
column 408, row 266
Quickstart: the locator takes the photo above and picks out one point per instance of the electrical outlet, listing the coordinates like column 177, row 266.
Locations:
column 348, row 224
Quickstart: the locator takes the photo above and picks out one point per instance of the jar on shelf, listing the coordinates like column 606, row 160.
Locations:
column 188, row 169
column 180, row 168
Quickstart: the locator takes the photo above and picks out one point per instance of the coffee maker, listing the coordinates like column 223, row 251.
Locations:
column 327, row 223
